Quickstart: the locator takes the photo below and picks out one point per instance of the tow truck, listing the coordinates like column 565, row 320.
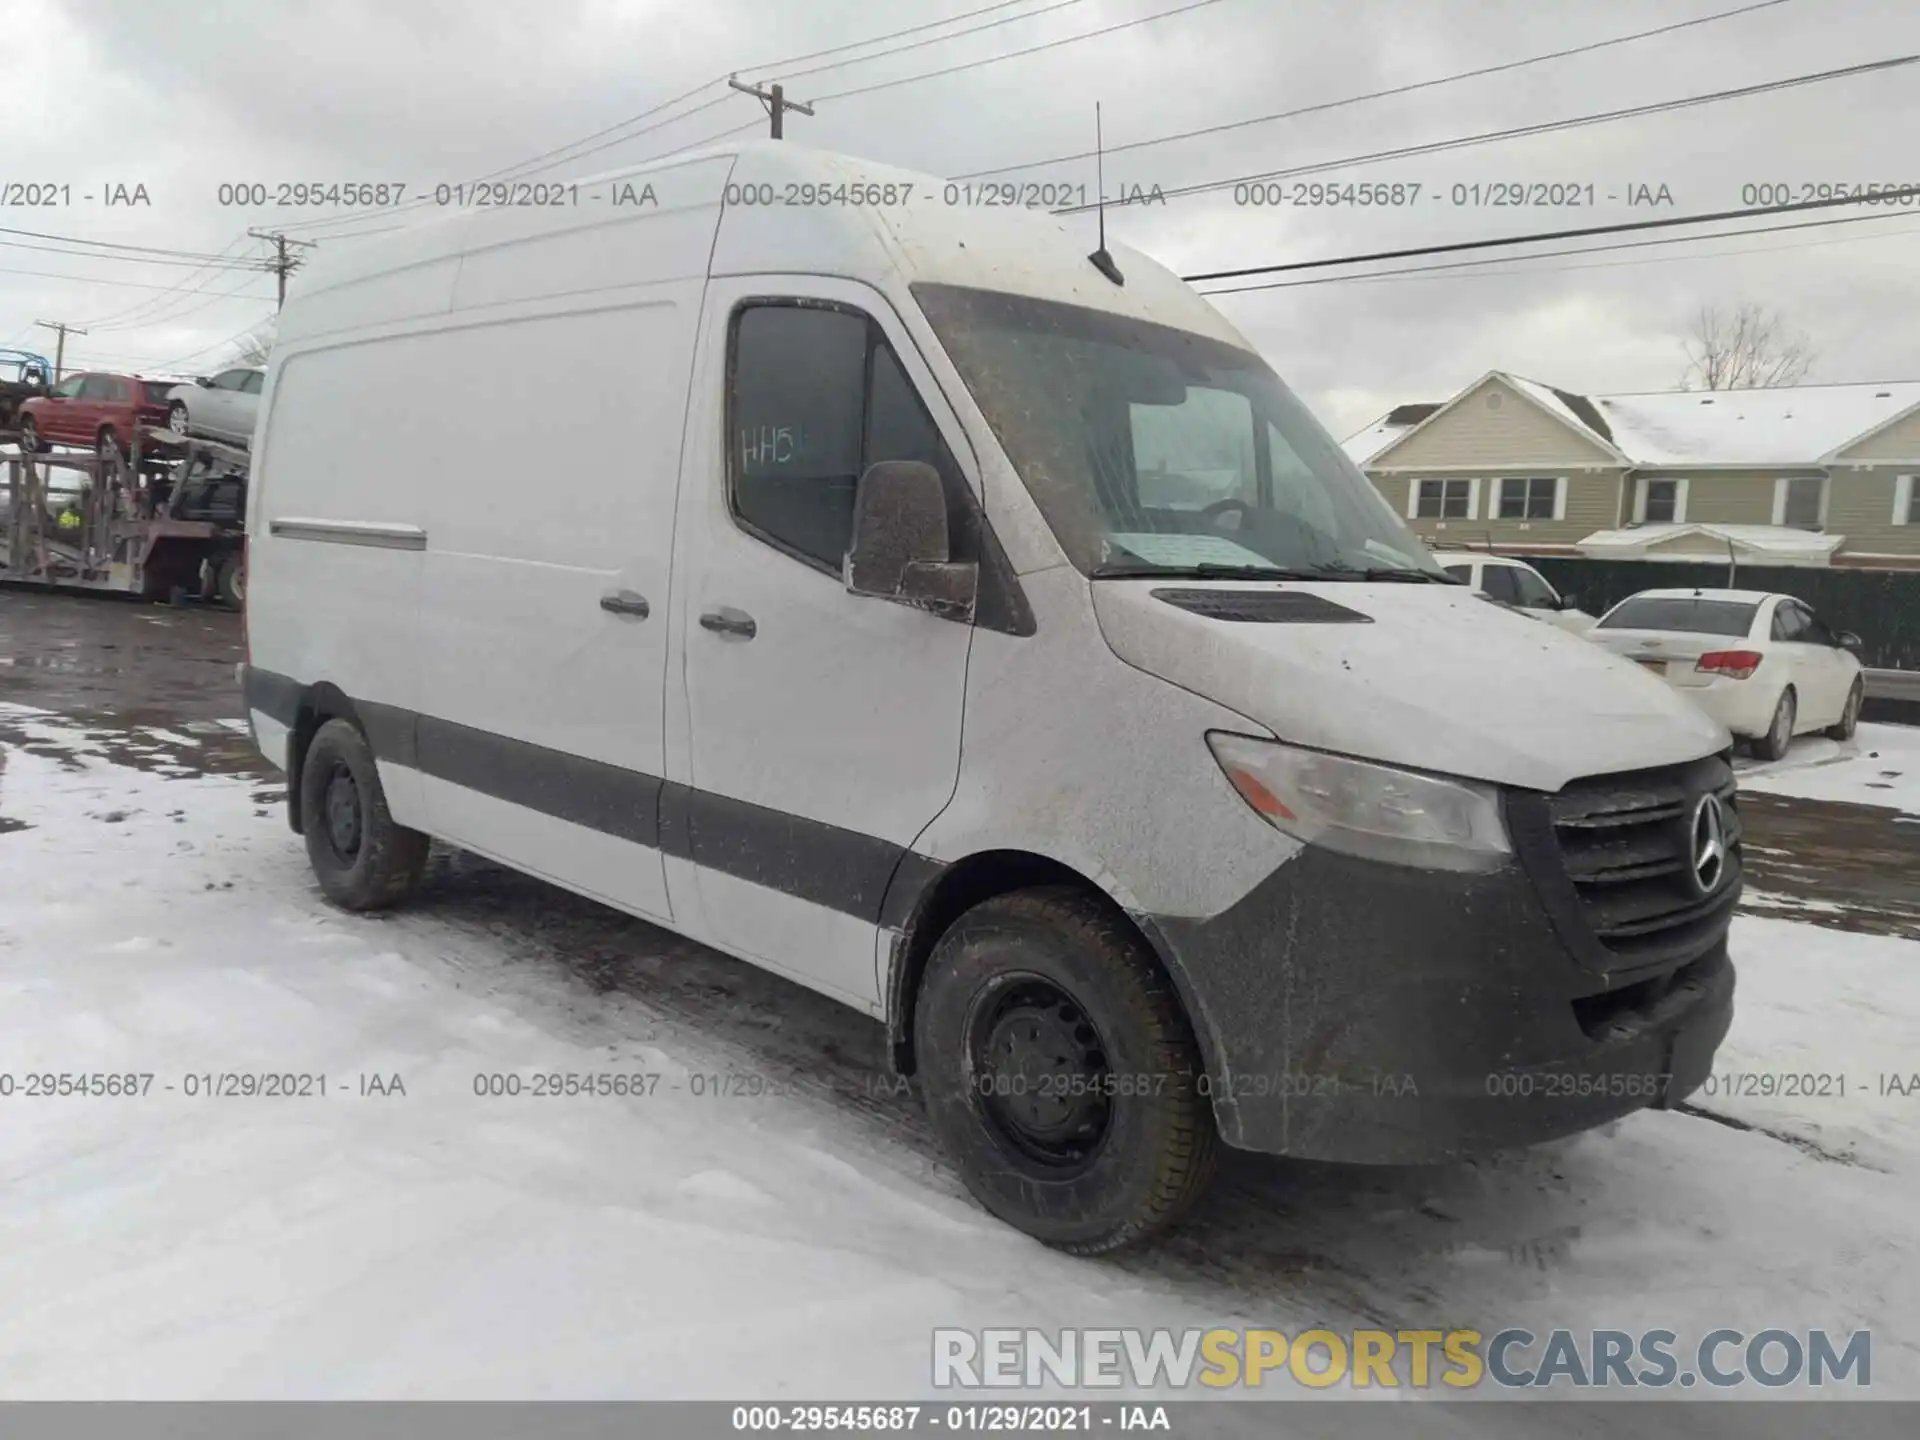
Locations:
column 166, row 522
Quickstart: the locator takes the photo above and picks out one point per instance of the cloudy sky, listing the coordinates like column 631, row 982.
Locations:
column 183, row 97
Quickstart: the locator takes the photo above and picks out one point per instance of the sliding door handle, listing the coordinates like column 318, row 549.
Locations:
column 728, row 621
column 625, row 602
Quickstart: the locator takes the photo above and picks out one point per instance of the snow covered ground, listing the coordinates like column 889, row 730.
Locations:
column 155, row 919
column 1879, row 766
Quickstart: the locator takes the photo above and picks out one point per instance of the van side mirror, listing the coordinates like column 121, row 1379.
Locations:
column 1570, row 600
column 1847, row 640
column 900, row 549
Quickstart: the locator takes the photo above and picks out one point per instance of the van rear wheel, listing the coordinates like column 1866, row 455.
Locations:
column 1060, row 1071
column 363, row 860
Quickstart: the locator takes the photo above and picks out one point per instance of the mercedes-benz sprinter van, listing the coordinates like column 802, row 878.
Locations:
column 879, row 588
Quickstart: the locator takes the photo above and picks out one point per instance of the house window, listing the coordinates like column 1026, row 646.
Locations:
column 1663, row 502
column 1797, row 502
column 1532, row 498
column 1444, row 500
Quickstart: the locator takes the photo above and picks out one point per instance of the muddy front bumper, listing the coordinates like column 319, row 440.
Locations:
column 1354, row 1011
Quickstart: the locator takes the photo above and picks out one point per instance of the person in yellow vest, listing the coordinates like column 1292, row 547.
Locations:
column 69, row 518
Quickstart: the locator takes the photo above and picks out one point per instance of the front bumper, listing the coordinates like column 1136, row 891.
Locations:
column 1368, row 1013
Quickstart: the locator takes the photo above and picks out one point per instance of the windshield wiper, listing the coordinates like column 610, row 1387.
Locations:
column 1206, row 570
column 1403, row 574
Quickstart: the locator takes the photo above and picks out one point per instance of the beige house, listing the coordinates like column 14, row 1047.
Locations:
column 1803, row 474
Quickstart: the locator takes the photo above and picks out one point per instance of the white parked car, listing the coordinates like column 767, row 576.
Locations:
column 221, row 408
column 1516, row 583
column 1763, row 665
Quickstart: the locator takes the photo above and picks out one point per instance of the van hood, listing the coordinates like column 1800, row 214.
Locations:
column 1440, row 680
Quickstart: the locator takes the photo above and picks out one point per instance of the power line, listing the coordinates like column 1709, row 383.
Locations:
column 1488, row 137
column 1396, row 90
column 1884, row 197
column 86, row 279
column 232, row 339
column 195, row 265
column 114, row 245
column 664, row 154
column 780, row 65
column 786, row 75
column 155, row 309
column 559, row 155
column 1016, row 54
column 1458, row 265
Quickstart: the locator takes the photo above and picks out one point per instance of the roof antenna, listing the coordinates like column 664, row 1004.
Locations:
column 1102, row 261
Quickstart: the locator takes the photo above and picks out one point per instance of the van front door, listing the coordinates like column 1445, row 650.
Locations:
column 821, row 731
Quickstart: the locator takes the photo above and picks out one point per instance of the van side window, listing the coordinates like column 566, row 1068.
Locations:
column 1498, row 581
column 817, row 396
column 1533, row 591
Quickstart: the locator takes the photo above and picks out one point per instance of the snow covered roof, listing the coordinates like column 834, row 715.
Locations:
column 1771, row 544
column 1364, row 445
column 1791, row 425
column 1787, row 425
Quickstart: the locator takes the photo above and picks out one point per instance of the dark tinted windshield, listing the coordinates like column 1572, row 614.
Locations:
column 1701, row 617
column 156, row 390
column 1152, row 448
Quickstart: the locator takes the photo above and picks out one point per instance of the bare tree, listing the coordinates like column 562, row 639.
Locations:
column 1745, row 349
column 255, row 348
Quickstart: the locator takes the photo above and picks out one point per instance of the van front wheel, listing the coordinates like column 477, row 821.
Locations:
column 362, row 859
column 1061, row 1072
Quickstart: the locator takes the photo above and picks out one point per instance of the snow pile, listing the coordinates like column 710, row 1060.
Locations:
column 803, row 1243
column 1879, row 766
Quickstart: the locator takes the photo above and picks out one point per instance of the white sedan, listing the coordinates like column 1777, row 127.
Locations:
column 1763, row 665
column 222, row 408
column 1516, row 583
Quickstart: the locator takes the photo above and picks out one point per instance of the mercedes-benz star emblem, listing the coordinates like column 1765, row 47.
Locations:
column 1709, row 847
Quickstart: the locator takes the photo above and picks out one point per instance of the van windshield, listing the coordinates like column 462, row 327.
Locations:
column 1153, row 451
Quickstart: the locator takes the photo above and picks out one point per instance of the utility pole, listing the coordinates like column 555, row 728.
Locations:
column 63, row 329
column 283, row 264
column 775, row 99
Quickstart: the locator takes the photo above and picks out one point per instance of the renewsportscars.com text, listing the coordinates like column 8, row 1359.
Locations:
column 1398, row 1359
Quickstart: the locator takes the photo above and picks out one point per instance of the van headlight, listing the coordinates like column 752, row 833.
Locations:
column 1359, row 808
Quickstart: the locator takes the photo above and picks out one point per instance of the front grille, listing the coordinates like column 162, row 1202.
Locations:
column 1625, row 846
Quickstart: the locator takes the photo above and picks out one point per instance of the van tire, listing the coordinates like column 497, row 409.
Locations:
column 362, row 859
column 1024, row 976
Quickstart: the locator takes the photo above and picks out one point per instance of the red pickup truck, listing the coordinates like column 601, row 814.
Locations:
column 93, row 409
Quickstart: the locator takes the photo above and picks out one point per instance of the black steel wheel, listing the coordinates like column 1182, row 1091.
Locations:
column 1061, row 1072
column 363, row 860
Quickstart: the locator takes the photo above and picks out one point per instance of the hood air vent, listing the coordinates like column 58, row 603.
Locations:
column 1263, row 607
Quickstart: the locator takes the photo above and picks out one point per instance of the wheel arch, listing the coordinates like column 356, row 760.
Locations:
column 319, row 703
column 971, row 881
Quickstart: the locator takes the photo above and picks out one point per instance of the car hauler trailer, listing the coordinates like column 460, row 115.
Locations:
column 166, row 523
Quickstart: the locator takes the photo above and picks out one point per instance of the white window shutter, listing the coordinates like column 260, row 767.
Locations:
column 1413, row 498
column 1473, row 498
column 1560, row 498
column 1902, row 498
column 1640, row 499
column 1780, row 501
column 1680, row 502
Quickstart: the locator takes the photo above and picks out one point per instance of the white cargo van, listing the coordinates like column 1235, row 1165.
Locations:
column 881, row 589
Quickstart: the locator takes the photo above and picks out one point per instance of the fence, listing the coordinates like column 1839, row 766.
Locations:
column 1882, row 607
